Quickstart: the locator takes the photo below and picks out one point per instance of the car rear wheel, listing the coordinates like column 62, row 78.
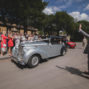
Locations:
column 33, row 61
column 63, row 51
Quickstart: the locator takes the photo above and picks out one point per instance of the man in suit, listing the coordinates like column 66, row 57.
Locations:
column 86, row 50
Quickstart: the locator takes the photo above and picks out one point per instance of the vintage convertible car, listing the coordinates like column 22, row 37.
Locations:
column 30, row 53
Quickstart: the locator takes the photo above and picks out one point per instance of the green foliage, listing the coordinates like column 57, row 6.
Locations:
column 85, row 25
column 64, row 21
column 59, row 21
column 26, row 12
column 30, row 12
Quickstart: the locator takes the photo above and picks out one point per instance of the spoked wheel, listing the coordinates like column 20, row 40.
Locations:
column 34, row 61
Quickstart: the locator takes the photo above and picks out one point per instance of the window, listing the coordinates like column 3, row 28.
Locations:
column 46, row 41
column 55, row 41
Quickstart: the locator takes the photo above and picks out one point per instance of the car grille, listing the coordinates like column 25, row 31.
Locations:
column 20, row 50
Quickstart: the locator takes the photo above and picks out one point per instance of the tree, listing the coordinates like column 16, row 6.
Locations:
column 64, row 22
column 48, row 24
column 59, row 21
column 26, row 12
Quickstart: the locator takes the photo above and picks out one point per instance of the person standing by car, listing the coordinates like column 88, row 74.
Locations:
column 10, row 43
column 22, row 38
column 35, row 36
column 3, row 44
column 17, row 39
column 86, row 50
column 84, row 43
column 0, row 40
column 31, row 37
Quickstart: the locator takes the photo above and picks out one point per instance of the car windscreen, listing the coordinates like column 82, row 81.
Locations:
column 36, row 42
column 55, row 41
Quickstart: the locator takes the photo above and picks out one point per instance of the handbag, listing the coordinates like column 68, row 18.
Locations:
column 4, row 45
column 4, row 49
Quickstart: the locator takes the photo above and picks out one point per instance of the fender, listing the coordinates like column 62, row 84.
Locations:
column 31, row 52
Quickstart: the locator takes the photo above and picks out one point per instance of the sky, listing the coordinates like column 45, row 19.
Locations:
column 79, row 9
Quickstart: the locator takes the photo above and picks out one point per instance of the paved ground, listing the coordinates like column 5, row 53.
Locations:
column 64, row 72
column 6, row 56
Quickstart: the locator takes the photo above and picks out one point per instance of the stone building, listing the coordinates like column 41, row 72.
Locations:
column 16, row 28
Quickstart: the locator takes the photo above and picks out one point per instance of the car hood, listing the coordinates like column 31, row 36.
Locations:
column 28, row 43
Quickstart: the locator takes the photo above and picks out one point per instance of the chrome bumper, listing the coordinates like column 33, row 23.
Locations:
column 17, row 61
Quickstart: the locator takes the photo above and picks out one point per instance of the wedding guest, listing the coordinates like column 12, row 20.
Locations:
column 3, row 43
column 10, row 43
column 86, row 50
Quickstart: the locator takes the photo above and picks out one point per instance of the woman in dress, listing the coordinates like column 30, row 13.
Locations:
column 10, row 44
column 3, row 43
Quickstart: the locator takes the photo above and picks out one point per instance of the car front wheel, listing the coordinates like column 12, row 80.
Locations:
column 33, row 61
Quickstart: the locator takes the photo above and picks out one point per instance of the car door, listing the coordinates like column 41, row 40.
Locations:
column 55, row 47
column 52, row 48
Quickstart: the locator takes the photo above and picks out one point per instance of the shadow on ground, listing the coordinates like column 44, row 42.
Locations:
column 18, row 65
column 25, row 66
column 42, row 61
column 74, row 71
